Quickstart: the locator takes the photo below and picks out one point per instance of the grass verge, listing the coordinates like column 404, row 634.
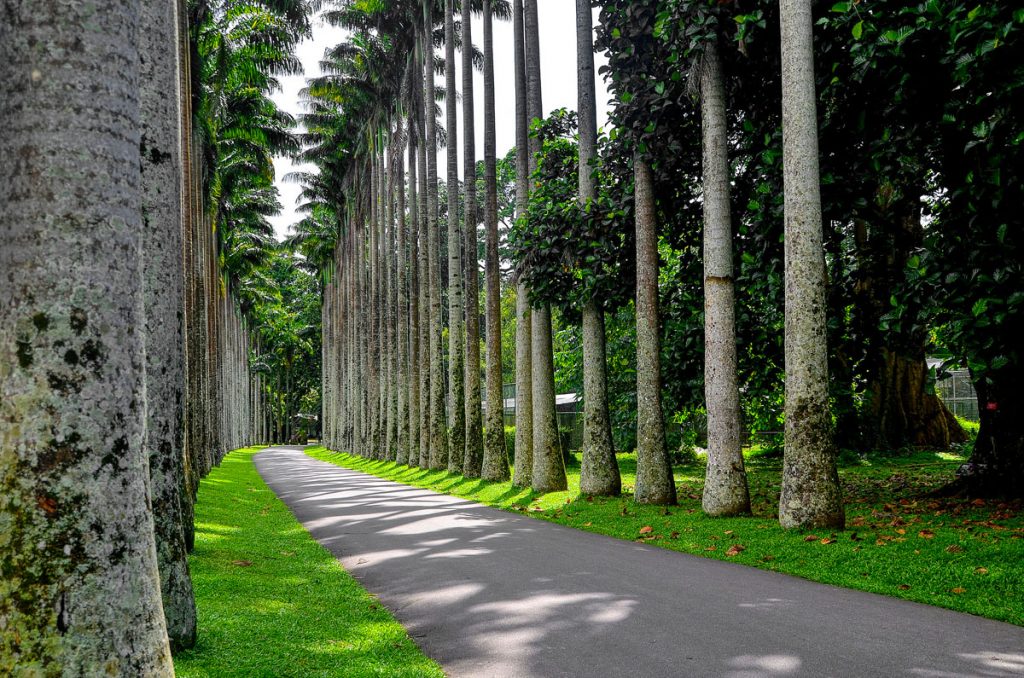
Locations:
column 959, row 554
column 273, row 602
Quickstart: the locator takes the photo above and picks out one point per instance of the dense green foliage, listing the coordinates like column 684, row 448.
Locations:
column 273, row 602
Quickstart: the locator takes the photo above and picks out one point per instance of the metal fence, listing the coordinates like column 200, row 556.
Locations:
column 568, row 407
column 956, row 390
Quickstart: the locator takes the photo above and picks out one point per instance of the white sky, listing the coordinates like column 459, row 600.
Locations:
column 558, row 67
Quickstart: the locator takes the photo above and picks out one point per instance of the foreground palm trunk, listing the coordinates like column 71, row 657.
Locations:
column 495, row 463
column 654, row 481
column 599, row 471
column 811, row 495
column 548, row 465
column 725, row 485
column 162, row 213
column 474, row 423
column 80, row 591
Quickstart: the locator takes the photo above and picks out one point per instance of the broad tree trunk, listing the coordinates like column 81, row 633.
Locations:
column 456, row 300
column 495, row 461
column 548, row 463
column 811, row 494
column 474, row 424
column 655, row 483
column 997, row 464
column 725, row 483
column 522, row 472
column 162, row 222
column 80, row 591
column 599, row 472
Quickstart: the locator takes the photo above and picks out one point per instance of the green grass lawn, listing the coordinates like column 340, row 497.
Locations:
column 273, row 602
column 964, row 555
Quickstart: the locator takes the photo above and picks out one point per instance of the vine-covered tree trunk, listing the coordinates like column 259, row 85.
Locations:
column 725, row 484
column 495, row 462
column 162, row 178
column 599, row 471
column 80, row 591
column 996, row 467
column 548, row 463
column 811, row 494
column 655, row 483
column 456, row 287
column 522, row 471
column 474, row 422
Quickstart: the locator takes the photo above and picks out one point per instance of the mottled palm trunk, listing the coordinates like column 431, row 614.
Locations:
column 548, row 463
column 725, row 484
column 811, row 495
column 412, row 261
column 391, row 349
column 424, row 274
column 495, row 461
column 522, row 468
column 456, row 300
column 162, row 27
column 474, row 420
column 654, row 481
column 80, row 590
column 438, row 422
column 599, row 472
column 401, row 382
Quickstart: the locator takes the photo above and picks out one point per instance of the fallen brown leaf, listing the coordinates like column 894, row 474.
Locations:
column 241, row 563
column 954, row 548
column 812, row 537
column 904, row 587
column 926, row 534
column 646, row 529
column 958, row 590
column 735, row 550
column 981, row 570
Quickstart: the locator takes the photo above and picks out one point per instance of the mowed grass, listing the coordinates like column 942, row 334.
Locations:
column 955, row 553
column 273, row 602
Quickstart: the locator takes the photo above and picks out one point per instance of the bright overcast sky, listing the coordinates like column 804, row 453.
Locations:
column 558, row 66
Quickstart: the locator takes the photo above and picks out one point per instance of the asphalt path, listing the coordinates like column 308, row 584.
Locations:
column 490, row 593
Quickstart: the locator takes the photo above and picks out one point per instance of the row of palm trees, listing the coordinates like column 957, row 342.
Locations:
column 137, row 147
column 373, row 132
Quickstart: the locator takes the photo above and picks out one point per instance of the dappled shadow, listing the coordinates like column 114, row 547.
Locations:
column 492, row 593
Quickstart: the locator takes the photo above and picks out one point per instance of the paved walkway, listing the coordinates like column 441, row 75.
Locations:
column 489, row 593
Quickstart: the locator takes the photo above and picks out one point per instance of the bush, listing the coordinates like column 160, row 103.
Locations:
column 510, row 443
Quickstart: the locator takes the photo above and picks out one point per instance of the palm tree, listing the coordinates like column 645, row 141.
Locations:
column 162, row 183
column 473, row 417
column 548, row 464
column 599, row 472
column 725, row 485
column 811, row 494
column 495, row 461
column 654, row 481
column 73, row 468
column 522, row 472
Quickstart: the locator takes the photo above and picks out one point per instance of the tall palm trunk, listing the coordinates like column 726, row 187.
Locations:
column 522, row 472
column 412, row 262
column 599, row 472
column 424, row 274
column 162, row 215
column 456, row 299
column 401, row 383
column 811, row 495
column 80, row 591
column 548, row 464
column 474, row 422
column 654, row 481
column 495, row 461
column 725, row 484
column 438, row 422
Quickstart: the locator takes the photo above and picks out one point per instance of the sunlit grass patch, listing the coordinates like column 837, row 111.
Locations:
column 960, row 554
column 273, row 602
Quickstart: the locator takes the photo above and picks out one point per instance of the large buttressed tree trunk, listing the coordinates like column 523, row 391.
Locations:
column 456, row 297
column 811, row 494
column 548, row 464
column 162, row 217
column 474, row 423
column 725, row 485
column 80, row 594
column 495, row 463
column 599, row 472
column 655, row 483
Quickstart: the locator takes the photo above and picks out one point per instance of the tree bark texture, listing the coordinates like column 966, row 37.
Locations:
column 811, row 496
column 80, row 594
column 655, row 483
column 725, row 483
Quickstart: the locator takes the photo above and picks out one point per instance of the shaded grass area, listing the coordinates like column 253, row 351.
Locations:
column 955, row 553
column 273, row 602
